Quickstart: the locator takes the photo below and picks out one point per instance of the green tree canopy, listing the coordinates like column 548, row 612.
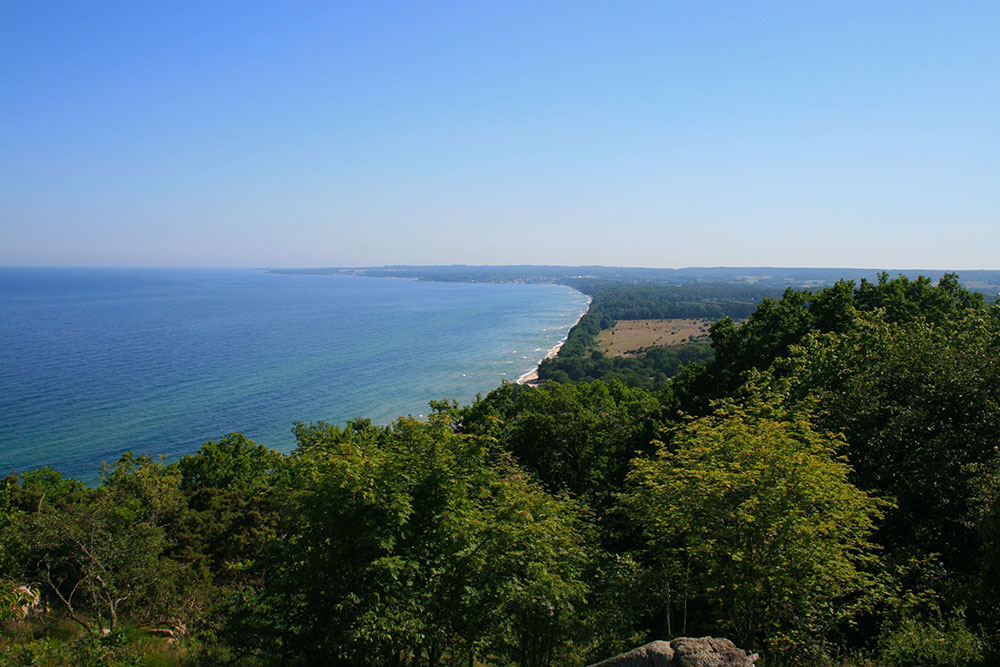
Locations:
column 777, row 325
column 919, row 404
column 750, row 516
column 411, row 544
column 577, row 438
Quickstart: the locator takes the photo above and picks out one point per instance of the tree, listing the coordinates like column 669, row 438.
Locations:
column 576, row 438
column 12, row 594
column 411, row 544
column 919, row 403
column 750, row 517
column 776, row 326
column 230, row 487
column 97, row 557
column 100, row 554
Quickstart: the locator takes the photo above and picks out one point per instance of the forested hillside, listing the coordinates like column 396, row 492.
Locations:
column 825, row 490
column 583, row 277
column 580, row 361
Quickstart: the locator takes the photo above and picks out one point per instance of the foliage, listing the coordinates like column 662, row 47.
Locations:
column 99, row 553
column 749, row 511
column 920, row 405
column 775, row 326
column 651, row 370
column 577, row 438
column 937, row 641
column 11, row 528
column 409, row 544
column 232, row 515
column 649, row 302
column 88, row 651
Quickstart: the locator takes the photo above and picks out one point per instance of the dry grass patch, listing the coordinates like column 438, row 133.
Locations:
column 629, row 337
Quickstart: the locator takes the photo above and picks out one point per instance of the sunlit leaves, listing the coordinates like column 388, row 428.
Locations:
column 415, row 542
column 751, row 512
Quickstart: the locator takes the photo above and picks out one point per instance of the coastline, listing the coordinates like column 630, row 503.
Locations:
column 531, row 377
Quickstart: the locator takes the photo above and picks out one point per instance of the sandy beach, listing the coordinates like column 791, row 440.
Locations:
column 531, row 377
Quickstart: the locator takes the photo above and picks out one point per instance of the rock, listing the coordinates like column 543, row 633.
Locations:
column 653, row 654
column 710, row 652
column 684, row 652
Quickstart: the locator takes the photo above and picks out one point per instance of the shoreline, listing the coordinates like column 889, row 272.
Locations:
column 531, row 377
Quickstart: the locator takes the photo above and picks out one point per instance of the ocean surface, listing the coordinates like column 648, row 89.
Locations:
column 95, row 362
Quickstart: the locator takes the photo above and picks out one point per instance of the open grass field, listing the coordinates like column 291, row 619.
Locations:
column 629, row 337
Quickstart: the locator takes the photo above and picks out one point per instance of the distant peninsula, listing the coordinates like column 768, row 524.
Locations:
column 587, row 278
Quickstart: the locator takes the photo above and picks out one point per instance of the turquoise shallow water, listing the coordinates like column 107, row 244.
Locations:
column 94, row 362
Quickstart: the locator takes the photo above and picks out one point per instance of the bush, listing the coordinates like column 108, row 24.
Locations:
column 938, row 642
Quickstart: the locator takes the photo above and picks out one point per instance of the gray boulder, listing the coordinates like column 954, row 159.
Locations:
column 684, row 652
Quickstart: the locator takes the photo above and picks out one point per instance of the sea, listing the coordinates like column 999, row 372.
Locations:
column 96, row 362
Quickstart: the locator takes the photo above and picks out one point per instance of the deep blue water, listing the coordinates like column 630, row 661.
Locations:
column 94, row 362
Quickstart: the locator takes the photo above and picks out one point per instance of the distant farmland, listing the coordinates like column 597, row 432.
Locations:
column 631, row 337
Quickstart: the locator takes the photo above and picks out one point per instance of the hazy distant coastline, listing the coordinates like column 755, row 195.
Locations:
column 585, row 278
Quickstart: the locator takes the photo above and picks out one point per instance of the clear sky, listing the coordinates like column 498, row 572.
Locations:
column 663, row 133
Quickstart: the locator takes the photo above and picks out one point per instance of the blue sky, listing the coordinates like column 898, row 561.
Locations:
column 664, row 134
